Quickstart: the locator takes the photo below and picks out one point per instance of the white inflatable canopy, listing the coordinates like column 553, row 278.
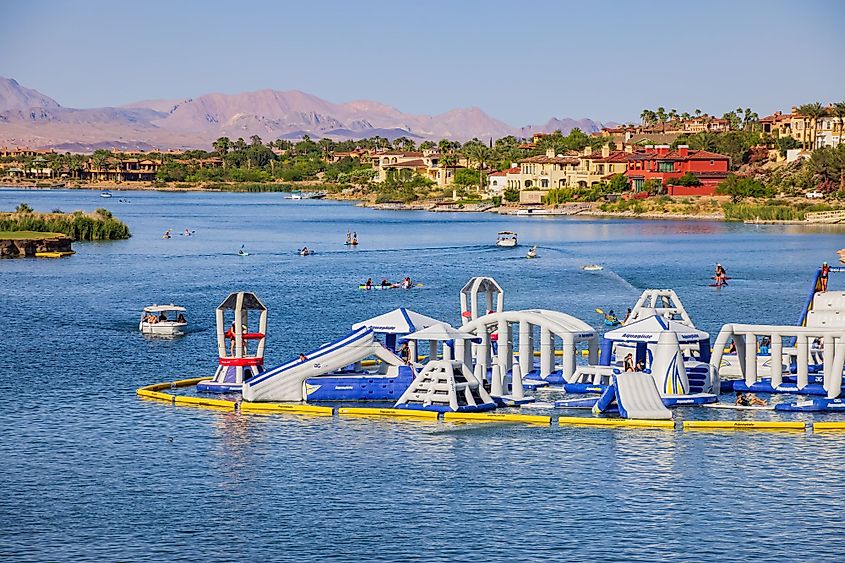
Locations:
column 398, row 321
column 649, row 330
column 441, row 331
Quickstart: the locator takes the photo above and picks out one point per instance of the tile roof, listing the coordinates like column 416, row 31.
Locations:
column 418, row 163
column 542, row 159
column 514, row 170
column 614, row 156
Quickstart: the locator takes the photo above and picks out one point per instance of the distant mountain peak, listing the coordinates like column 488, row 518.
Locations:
column 271, row 114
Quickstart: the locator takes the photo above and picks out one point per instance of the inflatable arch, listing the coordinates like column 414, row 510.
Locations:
column 551, row 325
column 661, row 302
column 475, row 287
column 745, row 339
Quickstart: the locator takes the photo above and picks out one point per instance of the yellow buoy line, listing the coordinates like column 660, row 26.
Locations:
column 157, row 392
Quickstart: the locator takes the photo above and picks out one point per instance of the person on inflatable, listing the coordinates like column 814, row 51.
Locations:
column 369, row 283
column 628, row 364
column 611, row 319
column 823, row 277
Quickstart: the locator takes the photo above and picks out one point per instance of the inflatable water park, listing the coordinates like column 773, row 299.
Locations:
column 495, row 363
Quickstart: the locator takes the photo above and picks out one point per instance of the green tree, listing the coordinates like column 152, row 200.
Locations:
column 465, row 177
column 618, row 183
column 511, row 195
column 828, row 168
column 740, row 188
column 476, row 151
column 688, row 179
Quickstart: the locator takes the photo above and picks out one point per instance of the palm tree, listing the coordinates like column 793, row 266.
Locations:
column 812, row 112
column 838, row 109
column 661, row 117
column 697, row 112
column 477, row 151
column 326, row 145
column 648, row 117
column 221, row 145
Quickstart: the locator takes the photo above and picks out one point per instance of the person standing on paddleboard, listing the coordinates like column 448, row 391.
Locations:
column 721, row 276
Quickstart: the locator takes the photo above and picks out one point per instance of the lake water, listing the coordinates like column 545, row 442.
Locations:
column 92, row 472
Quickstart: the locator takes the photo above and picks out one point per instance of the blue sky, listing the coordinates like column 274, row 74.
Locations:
column 521, row 61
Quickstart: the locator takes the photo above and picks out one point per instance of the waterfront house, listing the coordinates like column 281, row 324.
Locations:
column 497, row 182
column 404, row 164
column 826, row 131
column 595, row 167
column 541, row 172
column 662, row 163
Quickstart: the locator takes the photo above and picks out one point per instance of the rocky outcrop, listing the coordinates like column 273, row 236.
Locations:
column 19, row 248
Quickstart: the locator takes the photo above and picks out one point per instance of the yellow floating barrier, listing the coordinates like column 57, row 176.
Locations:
column 742, row 425
column 51, row 254
column 285, row 408
column 496, row 417
column 395, row 413
column 186, row 382
column 203, row 402
column 833, row 425
column 150, row 394
column 156, row 386
column 588, row 421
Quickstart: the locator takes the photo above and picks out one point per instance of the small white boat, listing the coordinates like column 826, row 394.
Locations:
column 163, row 320
column 105, row 193
column 592, row 268
column 506, row 239
column 532, row 252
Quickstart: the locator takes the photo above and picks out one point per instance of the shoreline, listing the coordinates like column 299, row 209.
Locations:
column 578, row 209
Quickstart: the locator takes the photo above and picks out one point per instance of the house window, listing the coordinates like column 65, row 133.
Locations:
column 665, row 166
column 527, row 183
column 544, row 183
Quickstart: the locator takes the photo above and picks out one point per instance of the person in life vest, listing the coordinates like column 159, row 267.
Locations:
column 231, row 334
column 628, row 363
column 823, row 277
column 721, row 276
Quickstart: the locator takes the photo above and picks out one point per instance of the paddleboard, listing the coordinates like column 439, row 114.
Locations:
column 738, row 407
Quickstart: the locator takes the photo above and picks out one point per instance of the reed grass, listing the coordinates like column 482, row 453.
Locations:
column 80, row 226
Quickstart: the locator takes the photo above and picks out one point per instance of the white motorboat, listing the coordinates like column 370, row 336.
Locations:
column 105, row 193
column 532, row 252
column 506, row 239
column 592, row 268
column 163, row 320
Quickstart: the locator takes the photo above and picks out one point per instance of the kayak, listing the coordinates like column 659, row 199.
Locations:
column 611, row 323
column 243, row 253
column 391, row 286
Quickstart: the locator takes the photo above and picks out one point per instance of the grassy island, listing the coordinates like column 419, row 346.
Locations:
column 24, row 223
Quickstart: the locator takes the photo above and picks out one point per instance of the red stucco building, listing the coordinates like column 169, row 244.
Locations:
column 664, row 164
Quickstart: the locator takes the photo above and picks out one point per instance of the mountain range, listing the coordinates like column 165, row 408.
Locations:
column 30, row 118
